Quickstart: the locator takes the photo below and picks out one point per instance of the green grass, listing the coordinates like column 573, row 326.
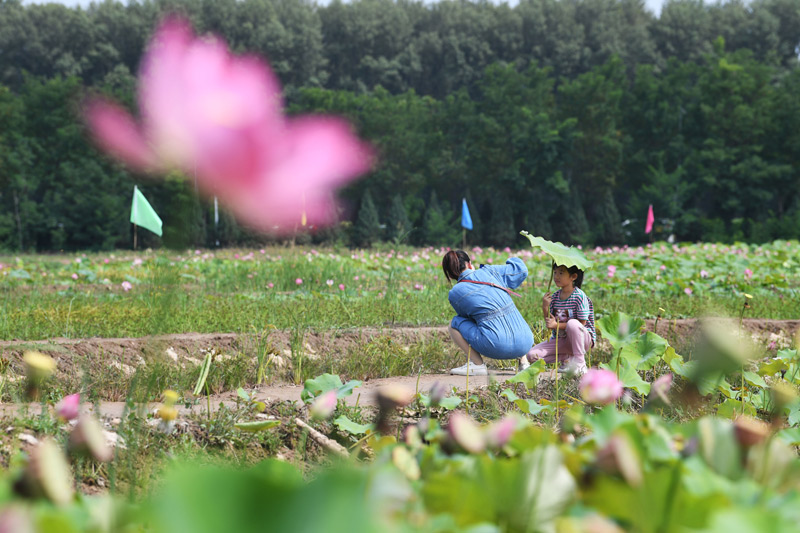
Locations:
column 36, row 316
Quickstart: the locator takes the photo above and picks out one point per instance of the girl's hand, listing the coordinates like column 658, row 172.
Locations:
column 552, row 323
column 546, row 300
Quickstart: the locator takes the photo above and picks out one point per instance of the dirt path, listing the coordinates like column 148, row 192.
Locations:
column 363, row 395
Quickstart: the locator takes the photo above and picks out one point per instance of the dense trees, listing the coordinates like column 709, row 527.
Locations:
column 563, row 117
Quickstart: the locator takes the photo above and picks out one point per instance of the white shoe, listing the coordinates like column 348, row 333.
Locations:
column 470, row 368
column 571, row 369
column 523, row 363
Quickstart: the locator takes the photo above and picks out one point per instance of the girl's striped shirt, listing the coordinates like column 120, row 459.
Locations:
column 577, row 306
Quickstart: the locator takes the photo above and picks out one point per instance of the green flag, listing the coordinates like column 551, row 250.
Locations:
column 142, row 214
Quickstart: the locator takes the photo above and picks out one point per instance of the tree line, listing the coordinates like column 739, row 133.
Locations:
column 563, row 117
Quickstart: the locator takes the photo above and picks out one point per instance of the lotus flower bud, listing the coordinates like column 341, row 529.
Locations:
column 323, row 406
column 660, row 389
column 750, row 431
column 412, row 437
column 466, row 433
column 88, row 439
column 620, row 457
column 38, row 367
column 389, row 398
column 47, row 475
column 437, row 392
column 16, row 519
column 498, row 433
column 69, row 407
column 600, row 387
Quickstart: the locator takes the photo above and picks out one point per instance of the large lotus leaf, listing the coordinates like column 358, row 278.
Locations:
column 530, row 376
column 326, row 382
column 619, row 329
column 646, row 352
column 629, row 377
column 529, row 407
column 561, row 254
column 677, row 364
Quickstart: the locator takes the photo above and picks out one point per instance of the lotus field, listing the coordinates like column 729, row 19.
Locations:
column 302, row 389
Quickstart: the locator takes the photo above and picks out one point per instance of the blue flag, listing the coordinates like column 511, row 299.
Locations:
column 466, row 220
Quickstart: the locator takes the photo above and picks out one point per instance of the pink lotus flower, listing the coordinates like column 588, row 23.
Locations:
column 298, row 281
column 329, row 283
column 74, row 276
column 341, row 286
column 270, row 285
column 126, row 286
column 498, row 433
column 218, row 118
column 600, row 387
column 323, row 406
column 611, row 271
column 703, row 274
column 688, row 291
column 660, row 388
column 748, row 273
column 69, row 407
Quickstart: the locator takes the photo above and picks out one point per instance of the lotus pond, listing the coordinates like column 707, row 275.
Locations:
column 695, row 434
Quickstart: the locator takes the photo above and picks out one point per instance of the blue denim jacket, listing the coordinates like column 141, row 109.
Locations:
column 487, row 317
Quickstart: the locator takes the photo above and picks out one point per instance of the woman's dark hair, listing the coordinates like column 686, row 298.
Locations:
column 573, row 270
column 453, row 263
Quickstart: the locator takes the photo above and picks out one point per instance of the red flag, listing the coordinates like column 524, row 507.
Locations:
column 650, row 219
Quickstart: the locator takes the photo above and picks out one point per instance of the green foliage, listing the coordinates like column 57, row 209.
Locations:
column 327, row 382
column 560, row 254
column 367, row 228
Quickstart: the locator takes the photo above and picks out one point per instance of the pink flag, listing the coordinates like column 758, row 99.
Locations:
column 650, row 219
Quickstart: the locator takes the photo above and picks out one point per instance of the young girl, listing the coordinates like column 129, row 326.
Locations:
column 570, row 314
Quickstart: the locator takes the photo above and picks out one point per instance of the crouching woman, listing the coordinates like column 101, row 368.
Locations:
column 487, row 323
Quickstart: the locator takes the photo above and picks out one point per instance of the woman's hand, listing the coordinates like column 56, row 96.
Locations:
column 552, row 323
column 546, row 300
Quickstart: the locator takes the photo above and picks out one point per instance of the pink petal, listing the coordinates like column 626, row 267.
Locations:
column 314, row 156
column 207, row 110
column 117, row 133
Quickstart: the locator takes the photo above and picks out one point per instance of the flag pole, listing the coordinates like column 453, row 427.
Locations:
column 463, row 238
column 133, row 209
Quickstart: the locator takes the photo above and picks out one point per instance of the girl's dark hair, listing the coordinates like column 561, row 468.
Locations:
column 573, row 270
column 453, row 263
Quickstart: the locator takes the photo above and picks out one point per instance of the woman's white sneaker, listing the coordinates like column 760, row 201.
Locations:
column 470, row 368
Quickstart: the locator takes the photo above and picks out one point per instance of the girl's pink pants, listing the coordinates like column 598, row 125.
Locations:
column 571, row 350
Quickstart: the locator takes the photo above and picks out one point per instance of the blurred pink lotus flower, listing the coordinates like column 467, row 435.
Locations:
column 219, row 118
column 499, row 432
column 748, row 273
column 270, row 285
column 69, row 407
column 341, row 286
column 703, row 274
column 126, row 286
column 329, row 283
column 323, row 406
column 298, row 281
column 600, row 387
column 611, row 271
column 688, row 291
column 74, row 276
column 660, row 388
